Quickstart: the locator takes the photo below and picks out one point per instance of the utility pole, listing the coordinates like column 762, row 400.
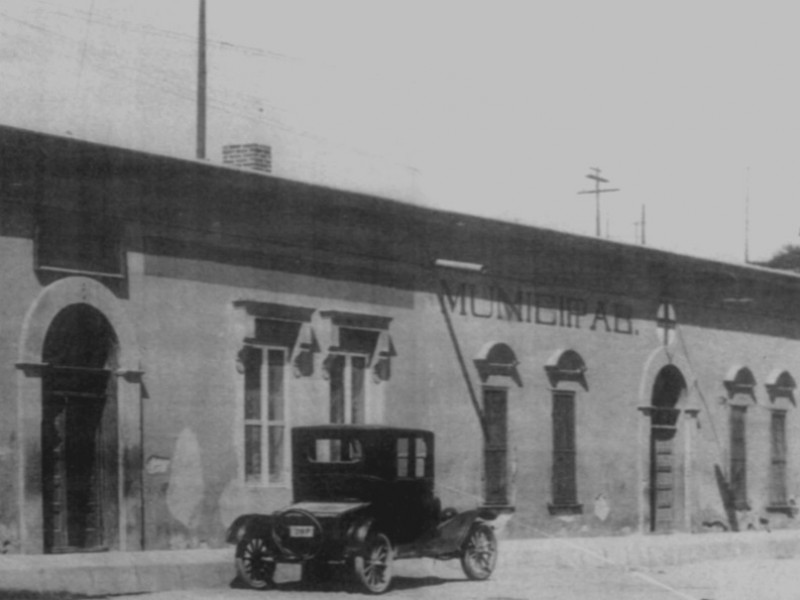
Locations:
column 201, row 83
column 597, row 191
column 747, row 219
column 640, row 228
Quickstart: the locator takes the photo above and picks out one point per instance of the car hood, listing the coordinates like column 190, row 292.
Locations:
column 329, row 509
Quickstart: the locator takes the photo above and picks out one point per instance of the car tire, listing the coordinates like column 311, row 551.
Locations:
column 479, row 552
column 373, row 566
column 304, row 548
column 255, row 565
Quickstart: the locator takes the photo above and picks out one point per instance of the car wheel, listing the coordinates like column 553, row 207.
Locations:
column 479, row 553
column 255, row 564
column 298, row 534
column 373, row 565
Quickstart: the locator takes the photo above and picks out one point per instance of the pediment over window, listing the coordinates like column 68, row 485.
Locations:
column 497, row 359
column 740, row 381
column 566, row 365
column 282, row 325
column 271, row 310
column 781, row 384
column 357, row 320
column 357, row 333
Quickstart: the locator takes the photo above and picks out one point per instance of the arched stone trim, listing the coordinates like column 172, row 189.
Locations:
column 688, row 409
column 780, row 389
column 77, row 290
column 781, row 385
column 566, row 372
column 654, row 364
column 38, row 319
column 566, row 365
column 497, row 359
column 739, row 381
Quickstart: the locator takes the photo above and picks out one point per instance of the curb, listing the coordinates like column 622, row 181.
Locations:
column 114, row 573
column 117, row 572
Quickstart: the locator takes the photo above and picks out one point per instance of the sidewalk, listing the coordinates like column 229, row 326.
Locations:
column 651, row 550
column 104, row 573
column 129, row 573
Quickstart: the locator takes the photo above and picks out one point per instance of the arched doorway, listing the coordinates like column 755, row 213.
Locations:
column 665, row 474
column 79, row 432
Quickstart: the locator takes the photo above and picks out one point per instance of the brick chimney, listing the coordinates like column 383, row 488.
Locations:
column 257, row 157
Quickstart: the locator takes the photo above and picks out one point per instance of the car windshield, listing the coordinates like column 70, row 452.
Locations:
column 335, row 450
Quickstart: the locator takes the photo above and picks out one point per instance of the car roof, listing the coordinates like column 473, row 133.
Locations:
column 337, row 428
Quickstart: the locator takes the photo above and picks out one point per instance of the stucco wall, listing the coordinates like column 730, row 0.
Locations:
column 188, row 333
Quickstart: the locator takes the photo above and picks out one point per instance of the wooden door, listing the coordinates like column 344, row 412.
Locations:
column 662, row 470
column 78, row 460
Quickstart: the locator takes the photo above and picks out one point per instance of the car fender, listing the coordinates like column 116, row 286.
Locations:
column 357, row 534
column 250, row 525
column 452, row 532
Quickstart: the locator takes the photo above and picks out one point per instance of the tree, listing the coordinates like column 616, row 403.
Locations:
column 787, row 258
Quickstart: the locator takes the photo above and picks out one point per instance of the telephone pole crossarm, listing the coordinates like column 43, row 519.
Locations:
column 600, row 191
column 597, row 191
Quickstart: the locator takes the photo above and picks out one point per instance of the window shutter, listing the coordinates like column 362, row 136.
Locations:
column 738, row 457
column 564, row 464
column 777, row 490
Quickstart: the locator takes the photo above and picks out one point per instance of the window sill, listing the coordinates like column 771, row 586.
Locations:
column 258, row 485
column 565, row 509
column 85, row 272
column 785, row 509
column 498, row 509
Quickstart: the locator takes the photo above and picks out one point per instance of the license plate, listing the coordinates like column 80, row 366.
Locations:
column 301, row 531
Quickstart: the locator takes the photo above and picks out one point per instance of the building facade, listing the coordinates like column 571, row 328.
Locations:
column 164, row 323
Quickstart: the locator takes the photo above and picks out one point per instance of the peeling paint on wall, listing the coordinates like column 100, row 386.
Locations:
column 9, row 539
column 157, row 465
column 601, row 507
column 186, row 486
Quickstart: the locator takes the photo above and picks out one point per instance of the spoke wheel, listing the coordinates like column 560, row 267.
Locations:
column 254, row 563
column 479, row 555
column 373, row 566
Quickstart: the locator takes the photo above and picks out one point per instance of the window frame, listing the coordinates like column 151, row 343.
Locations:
column 347, row 378
column 411, row 461
column 780, row 388
column 497, row 483
column 738, row 456
column 778, row 462
column 564, row 496
column 267, row 424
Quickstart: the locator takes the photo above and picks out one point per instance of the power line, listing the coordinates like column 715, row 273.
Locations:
column 178, row 84
column 202, row 73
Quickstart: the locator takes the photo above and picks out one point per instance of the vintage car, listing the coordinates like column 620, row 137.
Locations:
column 363, row 497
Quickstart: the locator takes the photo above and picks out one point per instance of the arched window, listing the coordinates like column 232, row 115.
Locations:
column 740, row 384
column 565, row 369
column 496, row 364
column 780, row 388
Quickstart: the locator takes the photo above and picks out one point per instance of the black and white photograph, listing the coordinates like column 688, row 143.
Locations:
column 444, row 300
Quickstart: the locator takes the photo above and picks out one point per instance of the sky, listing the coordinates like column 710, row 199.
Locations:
column 501, row 108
